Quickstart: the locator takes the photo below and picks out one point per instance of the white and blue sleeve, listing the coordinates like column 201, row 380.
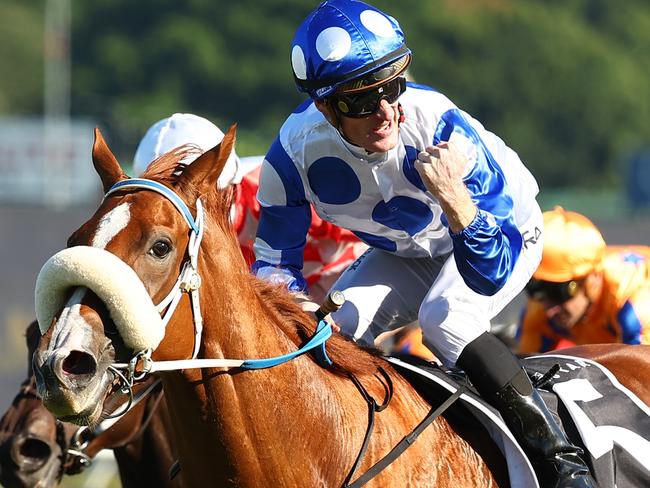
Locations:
column 285, row 217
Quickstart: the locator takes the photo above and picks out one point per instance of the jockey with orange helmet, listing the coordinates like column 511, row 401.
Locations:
column 448, row 210
column 329, row 249
column 584, row 291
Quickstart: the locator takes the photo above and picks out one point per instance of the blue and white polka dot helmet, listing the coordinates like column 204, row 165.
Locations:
column 343, row 40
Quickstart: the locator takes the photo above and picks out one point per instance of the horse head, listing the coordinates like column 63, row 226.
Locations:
column 32, row 443
column 98, row 302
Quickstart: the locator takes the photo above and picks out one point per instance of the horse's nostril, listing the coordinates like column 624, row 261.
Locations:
column 78, row 363
column 35, row 449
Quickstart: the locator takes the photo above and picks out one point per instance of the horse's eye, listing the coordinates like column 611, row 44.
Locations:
column 160, row 249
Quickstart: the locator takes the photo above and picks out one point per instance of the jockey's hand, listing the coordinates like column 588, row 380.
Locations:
column 441, row 168
column 310, row 306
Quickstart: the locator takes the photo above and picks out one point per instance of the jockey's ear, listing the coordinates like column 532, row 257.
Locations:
column 107, row 167
column 205, row 170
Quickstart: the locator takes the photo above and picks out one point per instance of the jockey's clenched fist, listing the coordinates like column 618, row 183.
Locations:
column 441, row 168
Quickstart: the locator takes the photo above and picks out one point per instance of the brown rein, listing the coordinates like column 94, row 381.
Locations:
column 404, row 444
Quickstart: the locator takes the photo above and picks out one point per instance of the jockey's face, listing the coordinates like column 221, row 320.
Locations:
column 568, row 313
column 376, row 133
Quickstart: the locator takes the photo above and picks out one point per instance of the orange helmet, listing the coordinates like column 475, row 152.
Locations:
column 573, row 247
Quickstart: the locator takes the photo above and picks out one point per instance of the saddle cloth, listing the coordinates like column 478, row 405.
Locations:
column 596, row 412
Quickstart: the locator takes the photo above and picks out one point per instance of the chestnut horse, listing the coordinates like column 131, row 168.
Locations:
column 303, row 422
column 37, row 450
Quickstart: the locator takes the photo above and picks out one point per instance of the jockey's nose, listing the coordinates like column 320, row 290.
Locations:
column 384, row 109
column 552, row 309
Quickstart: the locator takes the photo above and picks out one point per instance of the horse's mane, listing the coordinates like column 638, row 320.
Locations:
column 346, row 355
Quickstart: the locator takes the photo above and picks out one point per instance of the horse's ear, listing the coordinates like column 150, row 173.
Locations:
column 205, row 170
column 107, row 167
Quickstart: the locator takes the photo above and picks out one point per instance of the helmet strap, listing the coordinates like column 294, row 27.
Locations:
column 335, row 116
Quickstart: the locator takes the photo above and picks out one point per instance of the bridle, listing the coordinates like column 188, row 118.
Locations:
column 76, row 459
column 189, row 281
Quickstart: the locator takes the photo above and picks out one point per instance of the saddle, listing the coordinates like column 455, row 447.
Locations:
column 609, row 422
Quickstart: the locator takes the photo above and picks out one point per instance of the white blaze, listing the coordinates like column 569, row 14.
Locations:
column 69, row 320
column 111, row 224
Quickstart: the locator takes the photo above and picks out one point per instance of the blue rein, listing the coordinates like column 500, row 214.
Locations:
column 317, row 342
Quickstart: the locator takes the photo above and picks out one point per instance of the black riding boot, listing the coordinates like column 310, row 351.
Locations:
column 500, row 379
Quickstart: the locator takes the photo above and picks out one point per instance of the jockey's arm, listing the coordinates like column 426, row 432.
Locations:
column 634, row 318
column 285, row 217
column 478, row 207
column 279, row 245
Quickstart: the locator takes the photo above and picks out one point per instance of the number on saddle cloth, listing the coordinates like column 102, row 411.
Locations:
column 597, row 412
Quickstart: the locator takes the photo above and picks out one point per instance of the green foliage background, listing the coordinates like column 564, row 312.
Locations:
column 563, row 82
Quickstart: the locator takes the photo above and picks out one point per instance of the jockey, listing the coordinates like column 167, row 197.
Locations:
column 448, row 210
column 585, row 291
column 329, row 249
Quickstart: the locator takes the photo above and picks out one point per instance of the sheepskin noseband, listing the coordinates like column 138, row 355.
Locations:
column 112, row 280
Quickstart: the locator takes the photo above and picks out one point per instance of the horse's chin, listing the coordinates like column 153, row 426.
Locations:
column 78, row 406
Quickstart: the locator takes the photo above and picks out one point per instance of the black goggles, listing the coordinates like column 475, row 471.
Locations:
column 365, row 103
column 547, row 291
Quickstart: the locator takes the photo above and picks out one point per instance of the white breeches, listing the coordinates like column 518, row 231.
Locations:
column 384, row 291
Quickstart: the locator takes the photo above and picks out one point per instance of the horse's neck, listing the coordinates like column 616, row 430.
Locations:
column 237, row 324
column 247, row 425
column 295, row 424
column 196, row 431
column 240, row 419
column 292, row 425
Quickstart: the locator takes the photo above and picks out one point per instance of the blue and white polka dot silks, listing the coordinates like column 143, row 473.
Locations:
column 381, row 198
column 342, row 40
